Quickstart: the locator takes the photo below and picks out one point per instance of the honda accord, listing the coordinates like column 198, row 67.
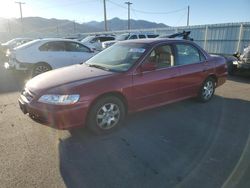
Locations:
column 128, row 77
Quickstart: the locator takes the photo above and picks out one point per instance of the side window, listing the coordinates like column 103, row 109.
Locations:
column 152, row 36
column 142, row 36
column 94, row 40
column 103, row 39
column 162, row 56
column 76, row 47
column 53, row 46
column 133, row 37
column 187, row 54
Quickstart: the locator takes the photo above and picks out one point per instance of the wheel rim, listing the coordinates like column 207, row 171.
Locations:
column 40, row 69
column 108, row 116
column 208, row 90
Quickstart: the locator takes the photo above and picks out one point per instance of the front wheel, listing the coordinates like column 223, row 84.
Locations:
column 106, row 115
column 40, row 68
column 207, row 90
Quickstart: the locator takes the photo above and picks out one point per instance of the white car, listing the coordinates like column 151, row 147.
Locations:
column 15, row 42
column 95, row 41
column 128, row 36
column 42, row 55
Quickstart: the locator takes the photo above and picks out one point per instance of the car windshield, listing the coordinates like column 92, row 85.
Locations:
column 10, row 42
column 122, row 37
column 27, row 44
column 87, row 39
column 119, row 57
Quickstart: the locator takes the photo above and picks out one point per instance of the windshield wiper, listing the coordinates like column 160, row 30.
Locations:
column 98, row 66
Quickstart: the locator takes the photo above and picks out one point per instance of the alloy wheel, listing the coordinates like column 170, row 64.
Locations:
column 108, row 116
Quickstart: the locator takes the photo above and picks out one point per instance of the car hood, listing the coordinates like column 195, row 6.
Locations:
column 67, row 75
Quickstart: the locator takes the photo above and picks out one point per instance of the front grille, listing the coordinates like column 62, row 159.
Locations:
column 27, row 94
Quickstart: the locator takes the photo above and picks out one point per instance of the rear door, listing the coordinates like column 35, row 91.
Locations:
column 193, row 68
column 159, row 86
column 54, row 53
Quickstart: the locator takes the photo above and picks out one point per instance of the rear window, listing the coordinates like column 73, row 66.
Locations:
column 55, row 46
column 103, row 39
column 142, row 36
column 152, row 36
column 133, row 37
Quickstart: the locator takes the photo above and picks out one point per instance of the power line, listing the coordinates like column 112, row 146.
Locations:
column 170, row 12
column 148, row 12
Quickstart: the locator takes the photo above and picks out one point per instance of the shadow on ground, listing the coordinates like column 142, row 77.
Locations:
column 186, row 144
column 11, row 81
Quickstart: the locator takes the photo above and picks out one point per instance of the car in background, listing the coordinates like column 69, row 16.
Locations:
column 127, row 77
column 128, row 36
column 241, row 61
column 9, row 45
column 95, row 42
column 180, row 35
column 42, row 55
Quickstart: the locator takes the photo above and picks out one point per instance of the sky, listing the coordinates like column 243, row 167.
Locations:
column 169, row 12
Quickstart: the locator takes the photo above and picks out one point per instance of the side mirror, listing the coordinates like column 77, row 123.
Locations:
column 148, row 66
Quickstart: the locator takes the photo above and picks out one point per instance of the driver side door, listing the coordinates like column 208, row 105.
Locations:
column 157, row 86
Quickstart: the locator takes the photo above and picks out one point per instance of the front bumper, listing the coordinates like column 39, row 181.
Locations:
column 17, row 66
column 241, row 65
column 56, row 116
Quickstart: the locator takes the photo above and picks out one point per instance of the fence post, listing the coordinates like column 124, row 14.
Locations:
column 205, row 39
column 240, row 36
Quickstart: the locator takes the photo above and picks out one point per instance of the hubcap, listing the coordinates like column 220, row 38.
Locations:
column 108, row 116
column 208, row 90
column 41, row 69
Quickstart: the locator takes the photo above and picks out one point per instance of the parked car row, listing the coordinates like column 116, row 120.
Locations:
column 41, row 55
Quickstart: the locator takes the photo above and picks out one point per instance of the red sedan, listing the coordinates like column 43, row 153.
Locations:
column 128, row 77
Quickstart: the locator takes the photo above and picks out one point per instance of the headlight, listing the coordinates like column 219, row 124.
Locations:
column 8, row 53
column 59, row 99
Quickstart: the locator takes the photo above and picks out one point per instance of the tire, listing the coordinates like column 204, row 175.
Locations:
column 106, row 115
column 207, row 90
column 39, row 69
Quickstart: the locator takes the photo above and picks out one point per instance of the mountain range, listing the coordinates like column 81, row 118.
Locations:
column 43, row 27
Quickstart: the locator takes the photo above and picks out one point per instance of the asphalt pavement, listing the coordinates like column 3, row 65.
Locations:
column 185, row 144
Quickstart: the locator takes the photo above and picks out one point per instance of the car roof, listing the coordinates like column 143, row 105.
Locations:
column 57, row 39
column 152, row 41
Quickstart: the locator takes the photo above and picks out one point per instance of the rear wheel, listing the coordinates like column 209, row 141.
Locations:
column 106, row 115
column 40, row 68
column 207, row 90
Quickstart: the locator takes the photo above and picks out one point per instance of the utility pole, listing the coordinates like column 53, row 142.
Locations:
column 21, row 12
column 74, row 26
column 128, row 3
column 105, row 15
column 188, row 16
column 9, row 28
